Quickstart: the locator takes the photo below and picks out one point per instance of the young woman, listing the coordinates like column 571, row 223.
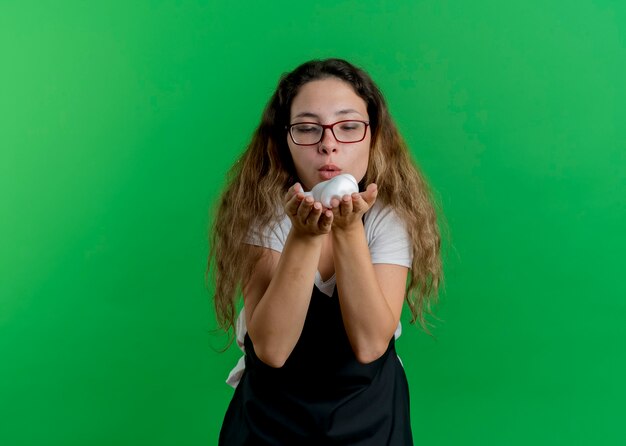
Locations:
column 323, row 287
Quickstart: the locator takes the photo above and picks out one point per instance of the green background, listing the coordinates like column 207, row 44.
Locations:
column 118, row 121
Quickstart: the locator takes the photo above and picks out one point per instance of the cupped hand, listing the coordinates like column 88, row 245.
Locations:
column 308, row 217
column 348, row 211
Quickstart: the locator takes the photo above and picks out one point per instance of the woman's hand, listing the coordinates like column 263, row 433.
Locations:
column 348, row 211
column 308, row 217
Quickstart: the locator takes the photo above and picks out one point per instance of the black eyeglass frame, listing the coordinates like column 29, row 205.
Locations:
column 327, row 126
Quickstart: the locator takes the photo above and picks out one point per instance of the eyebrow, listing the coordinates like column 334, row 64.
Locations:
column 313, row 115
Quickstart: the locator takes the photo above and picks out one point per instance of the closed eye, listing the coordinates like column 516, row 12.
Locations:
column 306, row 128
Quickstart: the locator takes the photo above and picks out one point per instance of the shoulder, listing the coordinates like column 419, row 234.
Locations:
column 271, row 236
column 381, row 218
column 387, row 237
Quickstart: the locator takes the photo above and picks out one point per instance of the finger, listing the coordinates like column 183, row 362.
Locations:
column 293, row 204
column 345, row 207
column 370, row 194
column 326, row 220
column 293, row 190
column 359, row 205
column 314, row 215
column 305, row 208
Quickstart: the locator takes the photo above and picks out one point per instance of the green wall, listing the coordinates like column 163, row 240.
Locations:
column 118, row 121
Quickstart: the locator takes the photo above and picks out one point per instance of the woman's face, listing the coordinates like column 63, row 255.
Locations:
column 327, row 101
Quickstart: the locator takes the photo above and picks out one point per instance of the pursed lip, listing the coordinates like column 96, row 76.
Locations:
column 328, row 171
column 329, row 168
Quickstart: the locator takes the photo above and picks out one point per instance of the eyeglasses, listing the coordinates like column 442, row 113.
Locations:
column 311, row 133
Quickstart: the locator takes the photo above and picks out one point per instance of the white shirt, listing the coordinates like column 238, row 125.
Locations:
column 387, row 240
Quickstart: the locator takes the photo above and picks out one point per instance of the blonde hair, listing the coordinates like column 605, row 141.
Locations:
column 258, row 181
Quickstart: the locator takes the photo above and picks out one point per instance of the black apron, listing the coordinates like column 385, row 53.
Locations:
column 322, row 395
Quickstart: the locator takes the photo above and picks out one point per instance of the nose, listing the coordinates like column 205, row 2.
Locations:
column 328, row 144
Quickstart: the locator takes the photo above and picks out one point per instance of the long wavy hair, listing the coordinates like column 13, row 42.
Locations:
column 260, row 178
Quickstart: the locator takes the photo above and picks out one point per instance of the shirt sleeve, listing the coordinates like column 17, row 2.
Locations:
column 272, row 236
column 387, row 237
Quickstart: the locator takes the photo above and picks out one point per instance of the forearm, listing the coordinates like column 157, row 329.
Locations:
column 367, row 314
column 278, row 318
